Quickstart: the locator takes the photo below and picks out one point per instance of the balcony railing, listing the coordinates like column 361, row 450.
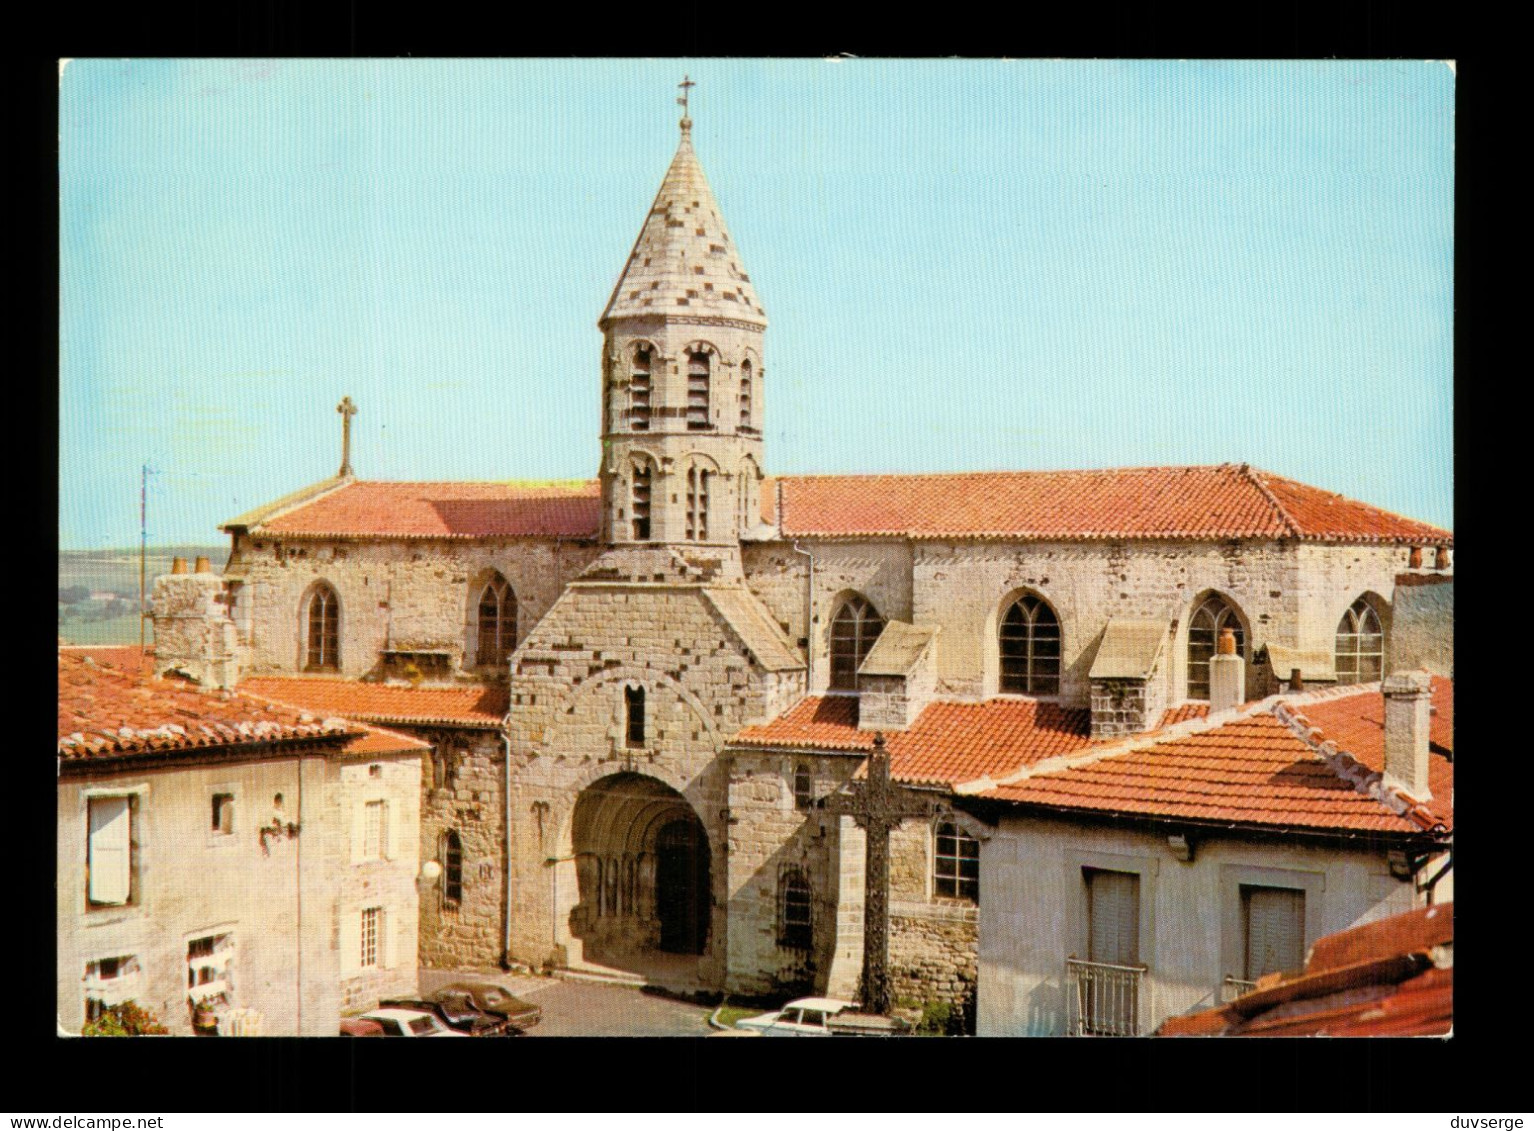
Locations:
column 1103, row 999
column 1233, row 987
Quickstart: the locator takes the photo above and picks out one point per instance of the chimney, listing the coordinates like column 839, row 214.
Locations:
column 1414, row 558
column 1441, row 558
column 1296, row 680
column 178, row 565
column 203, row 565
column 1408, row 713
column 1227, row 675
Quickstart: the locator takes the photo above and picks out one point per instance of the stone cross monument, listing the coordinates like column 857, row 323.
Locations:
column 878, row 805
column 347, row 411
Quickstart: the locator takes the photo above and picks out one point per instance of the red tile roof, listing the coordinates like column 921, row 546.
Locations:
column 127, row 657
column 1256, row 770
column 1174, row 715
column 475, row 706
column 108, row 712
column 444, row 510
column 1226, row 501
column 1389, row 978
column 948, row 743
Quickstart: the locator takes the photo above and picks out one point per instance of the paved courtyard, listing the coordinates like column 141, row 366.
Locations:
column 591, row 1009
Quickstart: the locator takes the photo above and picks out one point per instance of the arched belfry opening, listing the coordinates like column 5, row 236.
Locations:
column 644, row 872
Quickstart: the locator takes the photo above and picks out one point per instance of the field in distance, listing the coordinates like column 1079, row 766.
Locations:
column 98, row 590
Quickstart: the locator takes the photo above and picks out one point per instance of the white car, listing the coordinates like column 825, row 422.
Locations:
column 804, row 1017
column 410, row 1023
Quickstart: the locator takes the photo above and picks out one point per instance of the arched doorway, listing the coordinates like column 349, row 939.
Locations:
column 643, row 869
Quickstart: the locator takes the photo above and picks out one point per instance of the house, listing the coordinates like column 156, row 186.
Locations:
column 638, row 686
column 1138, row 880
column 229, row 864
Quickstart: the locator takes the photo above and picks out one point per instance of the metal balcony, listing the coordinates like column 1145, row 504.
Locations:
column 1103, row 1000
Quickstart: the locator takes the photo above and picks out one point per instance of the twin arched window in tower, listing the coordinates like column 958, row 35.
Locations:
column 700, row 360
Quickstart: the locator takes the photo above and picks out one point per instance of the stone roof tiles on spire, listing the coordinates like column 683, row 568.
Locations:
column 684, row 262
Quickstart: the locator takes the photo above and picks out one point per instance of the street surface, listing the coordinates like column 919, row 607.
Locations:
column 590, row 1009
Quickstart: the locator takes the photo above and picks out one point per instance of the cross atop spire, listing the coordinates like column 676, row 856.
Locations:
column 347, row 410
column 685, row 85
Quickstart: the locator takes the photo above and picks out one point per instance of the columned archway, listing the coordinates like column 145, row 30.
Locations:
column 644, row 874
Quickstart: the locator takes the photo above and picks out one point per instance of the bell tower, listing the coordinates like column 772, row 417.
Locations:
column 682, row 375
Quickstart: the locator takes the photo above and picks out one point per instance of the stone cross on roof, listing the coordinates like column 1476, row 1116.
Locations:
column 878, row 805
column 347, row 410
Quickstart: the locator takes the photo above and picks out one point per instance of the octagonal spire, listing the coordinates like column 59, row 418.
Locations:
column 684, row 262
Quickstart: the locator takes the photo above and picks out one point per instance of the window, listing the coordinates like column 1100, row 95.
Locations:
column 697, row 390
column 375, row 829
column 956, row 863
column 745, row 395
column 223, row 813
column 1360, row 644
column 1030, row 648
column 452, row 868
column 641, row 502
column 803, row 786
column 372, row 933
column 496, row 624
column 854, row 629
column 1113, row 917
column 697, row 504
column 1272, row 930
column 794, row 927
column 109, row 851
column 633, row 702
column 639, row 391
column 324, row 630
column 1203, row 635
column 109, row 982
column 208, row 962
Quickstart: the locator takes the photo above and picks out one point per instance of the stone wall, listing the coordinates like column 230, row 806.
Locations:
column 1422, row 620
column 404, row 594
column 1126, row 706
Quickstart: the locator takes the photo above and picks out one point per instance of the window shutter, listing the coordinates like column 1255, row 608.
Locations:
column 350, row 936
column 359, row 830
column 110, row 850
column 1114, row 901
column 386, row 929
column 1275, row 932
column 388, row 845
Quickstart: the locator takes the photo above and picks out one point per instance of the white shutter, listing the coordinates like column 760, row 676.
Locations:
column 393, row 825
column 1275, row 930
column 386, row 928
column 1114, row 907
column 110, row 850
column 350, row 936
column 359, row 830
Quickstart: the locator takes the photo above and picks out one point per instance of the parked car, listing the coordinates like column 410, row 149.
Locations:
column 489, row 998
column 360, row 1027
column 821, row 1017
column 409, row 1023
column 457, row 1013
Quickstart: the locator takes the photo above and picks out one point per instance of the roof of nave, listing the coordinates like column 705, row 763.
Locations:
column 1392, row 977
column 684, row 261
column 362, row 508
column 1222, row 501
column 1303, row 762
column 109, row 710
column 480, row 707
column 1219, row 502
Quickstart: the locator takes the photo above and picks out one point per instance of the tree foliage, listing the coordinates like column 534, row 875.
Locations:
column 126, row 1020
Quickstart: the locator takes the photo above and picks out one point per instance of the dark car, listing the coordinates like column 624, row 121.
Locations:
column 497, row 1001
column 457, row 1013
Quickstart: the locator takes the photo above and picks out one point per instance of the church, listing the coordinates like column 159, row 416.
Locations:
column 643, row 691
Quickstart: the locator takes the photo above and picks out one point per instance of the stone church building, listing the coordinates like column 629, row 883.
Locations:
column 637, row 689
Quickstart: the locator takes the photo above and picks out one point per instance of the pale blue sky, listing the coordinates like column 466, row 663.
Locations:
column 966, row 266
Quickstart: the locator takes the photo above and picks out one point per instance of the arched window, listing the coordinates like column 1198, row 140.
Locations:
column 794, row 910
column 854, row 629
column 1030, row 648
column 955, row 863
column 324, row 630
column 697, row 503
column 1203, row 635
column 639, row 390
column 451, row 849
column 746, row 374
column 697, row 390
column 804, row 789
column 496, row 623
column 641, row 502
column 1360, row 644
column 633, row 702
column 746, row 502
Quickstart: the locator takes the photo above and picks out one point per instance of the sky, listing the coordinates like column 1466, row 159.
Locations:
column 966, row 265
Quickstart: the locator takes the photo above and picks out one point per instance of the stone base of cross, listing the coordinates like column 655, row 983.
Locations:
column 878, row 805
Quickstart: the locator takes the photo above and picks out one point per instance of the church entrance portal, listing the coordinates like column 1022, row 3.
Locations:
column 642, row 861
